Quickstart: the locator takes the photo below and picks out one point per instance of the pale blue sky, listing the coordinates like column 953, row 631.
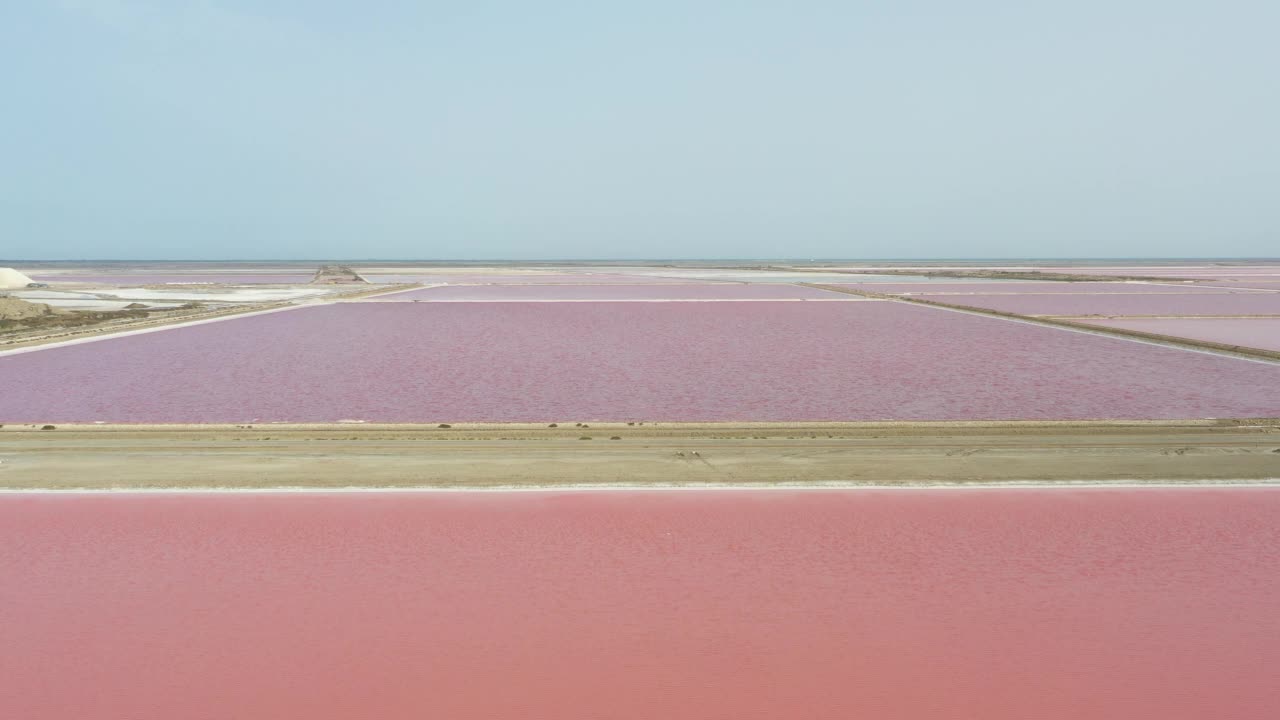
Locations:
column 489, row 129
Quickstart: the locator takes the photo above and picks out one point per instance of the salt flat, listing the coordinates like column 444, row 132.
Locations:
column 138, row 279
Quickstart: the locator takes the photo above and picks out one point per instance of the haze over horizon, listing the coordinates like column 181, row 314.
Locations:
column 278, row 129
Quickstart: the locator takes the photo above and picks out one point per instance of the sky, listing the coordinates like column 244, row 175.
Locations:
column 488, row 129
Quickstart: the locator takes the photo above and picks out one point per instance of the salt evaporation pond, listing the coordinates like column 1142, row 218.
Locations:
column 536, row 293
column 1032, row 287
column 1261, row 333
column 675, row 361
column 1241, row 303
column 1168, row 269
column 795, row 277
column 783, row 276
column 1194, row 272
column 517, row 279
column 1142, row 604
column 222, row 278
column 1273, row 285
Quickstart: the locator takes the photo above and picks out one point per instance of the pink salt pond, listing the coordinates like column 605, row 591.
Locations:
column 1189, row 271
column 1055, row 604
column 519, row 279
column 1196, row 303
column 1260, row 333
column 580, row 361
column 536, row 293
column 1237, row 284
column 1034, row 288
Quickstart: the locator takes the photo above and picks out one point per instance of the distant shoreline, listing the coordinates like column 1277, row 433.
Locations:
column 697, row 262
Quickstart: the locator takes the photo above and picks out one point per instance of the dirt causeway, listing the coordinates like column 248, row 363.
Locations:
column 747, row 454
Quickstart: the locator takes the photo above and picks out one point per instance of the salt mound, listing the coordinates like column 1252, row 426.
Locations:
column 11, row 279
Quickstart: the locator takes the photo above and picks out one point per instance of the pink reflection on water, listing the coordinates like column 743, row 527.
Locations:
column 1010, row 604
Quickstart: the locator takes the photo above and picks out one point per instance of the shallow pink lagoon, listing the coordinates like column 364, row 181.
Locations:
column 691, row 361
column 1196, row 271
column 1261, row 333
column 1238, row 303
column 706, row 291
column 1031, row 288
column 913, row 604
column 1273, row 285
column 224, row 278
column 519, row 279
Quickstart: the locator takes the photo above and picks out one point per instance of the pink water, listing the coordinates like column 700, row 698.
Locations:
column 1183, row 271
column 520, row 279
column 687, row 361
column 913, row 605
column 1199, row 271
column 707, row 291
column 1032, row 288
column 143, row 279
column 1262, row 333
column 1273, row 285
column 1239, row 303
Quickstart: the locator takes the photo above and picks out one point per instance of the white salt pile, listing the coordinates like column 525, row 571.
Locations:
column 11, row 279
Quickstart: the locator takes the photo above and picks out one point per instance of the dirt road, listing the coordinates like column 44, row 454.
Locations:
column 525, row 456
